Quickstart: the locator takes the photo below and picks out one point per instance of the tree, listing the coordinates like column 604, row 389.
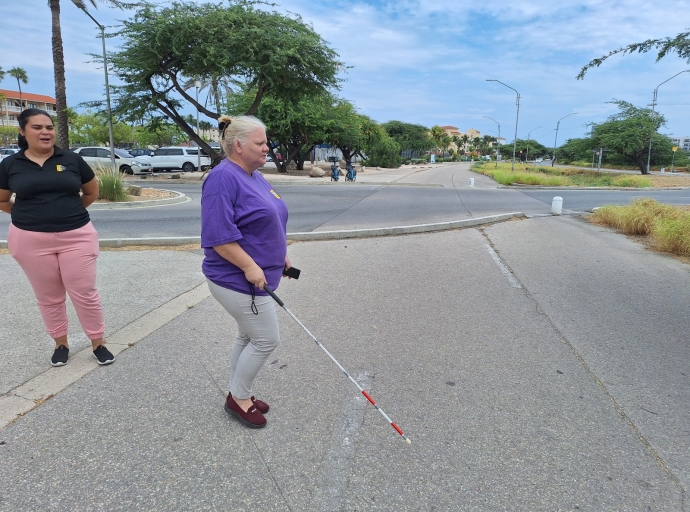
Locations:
column 412, row 137
column 381, row 149
column 436, row 135
column 679, row 44
column 293, row 127
column 575, row 150
column 22, row 78
column 8, row 134
column 2, row 74
column 535, row 149
column 259, row 51
column 159, row 132
column 348, row 130
column 627, row 134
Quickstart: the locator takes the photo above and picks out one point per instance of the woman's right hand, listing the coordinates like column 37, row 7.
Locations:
column 256, row 276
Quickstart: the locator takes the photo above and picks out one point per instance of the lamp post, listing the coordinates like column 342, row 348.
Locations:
column 553, row 159
column 499, row 136
column 529, row 133
column 82, row 6
column 651, row 134
column 517, row 116
column 197, row 85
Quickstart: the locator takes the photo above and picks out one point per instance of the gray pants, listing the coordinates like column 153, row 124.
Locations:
column 258, row 336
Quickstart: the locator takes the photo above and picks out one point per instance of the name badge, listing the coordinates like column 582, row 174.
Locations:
column 274, row 194
column 60, row 168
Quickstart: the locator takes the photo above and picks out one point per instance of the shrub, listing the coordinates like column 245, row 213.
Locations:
column 110, row 185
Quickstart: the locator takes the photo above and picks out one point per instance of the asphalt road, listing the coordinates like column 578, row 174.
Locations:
column 429, row 196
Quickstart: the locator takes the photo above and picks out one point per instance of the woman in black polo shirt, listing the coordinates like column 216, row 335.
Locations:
column 51, row 235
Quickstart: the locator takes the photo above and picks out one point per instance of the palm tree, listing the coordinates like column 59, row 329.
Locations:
column 22, row 78
column 2, row 74
column 59, row 68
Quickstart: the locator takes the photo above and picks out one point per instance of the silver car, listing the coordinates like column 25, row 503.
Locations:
column 127, row 164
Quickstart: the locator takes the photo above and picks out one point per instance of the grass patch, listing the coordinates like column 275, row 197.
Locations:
column 110, row 185
column 558, row 176
column 667, row 227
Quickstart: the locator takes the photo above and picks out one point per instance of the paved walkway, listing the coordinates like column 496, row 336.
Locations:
column 504, row 352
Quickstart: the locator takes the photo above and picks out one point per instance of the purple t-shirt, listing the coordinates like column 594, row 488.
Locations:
column 237, row 207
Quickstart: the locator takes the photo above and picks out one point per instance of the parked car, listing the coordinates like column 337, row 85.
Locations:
column 140, row 152
column 127, row 164
column 187, row 159
column 5, row 152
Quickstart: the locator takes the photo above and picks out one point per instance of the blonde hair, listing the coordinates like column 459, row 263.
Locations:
column 237, row 128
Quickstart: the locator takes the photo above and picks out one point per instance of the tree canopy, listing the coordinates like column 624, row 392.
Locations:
column 409, row 136
column 167, row 46
column 627, row 134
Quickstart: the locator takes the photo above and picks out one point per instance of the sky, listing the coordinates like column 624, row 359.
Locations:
column 428, row 61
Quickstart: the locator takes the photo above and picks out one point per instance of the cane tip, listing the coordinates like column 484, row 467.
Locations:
column 408, row 441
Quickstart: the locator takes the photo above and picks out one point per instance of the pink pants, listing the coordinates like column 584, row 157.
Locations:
column 56, row 263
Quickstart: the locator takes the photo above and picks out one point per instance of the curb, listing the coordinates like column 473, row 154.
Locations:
column 401, row 230
column 180, row 198
column 173, row 241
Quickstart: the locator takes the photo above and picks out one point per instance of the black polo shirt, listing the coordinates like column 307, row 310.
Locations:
column 47, row 197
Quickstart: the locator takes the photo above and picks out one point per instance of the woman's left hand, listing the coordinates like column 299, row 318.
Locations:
column 287, row 262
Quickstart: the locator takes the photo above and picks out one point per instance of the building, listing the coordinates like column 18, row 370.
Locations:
column 681, row 142
column 10, row 108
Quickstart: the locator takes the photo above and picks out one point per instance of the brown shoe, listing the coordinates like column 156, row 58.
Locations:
column 252, row 418
column 259, row 404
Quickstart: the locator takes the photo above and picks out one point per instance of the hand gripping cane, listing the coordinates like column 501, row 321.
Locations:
column 366, row 395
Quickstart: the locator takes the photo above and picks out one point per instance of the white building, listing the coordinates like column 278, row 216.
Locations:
column 681, row 142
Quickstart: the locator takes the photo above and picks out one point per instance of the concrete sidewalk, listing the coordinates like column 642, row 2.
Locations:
column 471, row 340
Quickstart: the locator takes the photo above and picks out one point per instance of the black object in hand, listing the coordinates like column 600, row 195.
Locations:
column 292, row 272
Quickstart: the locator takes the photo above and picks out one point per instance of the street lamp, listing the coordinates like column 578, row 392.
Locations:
column 651, row 134
column 529, row 133
column 553, row 159
column 197, row 86
column 499, row 136
column 517, row 115
column 82, row 6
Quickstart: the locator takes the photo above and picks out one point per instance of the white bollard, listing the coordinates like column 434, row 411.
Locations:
column 471, row 182
column 557, row 205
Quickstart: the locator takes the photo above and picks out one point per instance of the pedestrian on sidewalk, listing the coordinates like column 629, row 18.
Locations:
column 51, row 235
column 244, row 237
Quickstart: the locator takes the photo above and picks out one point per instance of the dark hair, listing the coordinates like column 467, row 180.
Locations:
column 24, row 119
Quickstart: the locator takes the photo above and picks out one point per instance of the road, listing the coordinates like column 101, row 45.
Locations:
column 427, row 196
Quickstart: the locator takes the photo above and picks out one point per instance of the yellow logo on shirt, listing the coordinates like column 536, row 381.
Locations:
column 60, row 168
column 274, row 194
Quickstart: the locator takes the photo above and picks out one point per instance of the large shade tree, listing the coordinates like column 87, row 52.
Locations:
column 412, row 137
column 626, row 134
column 166, row 46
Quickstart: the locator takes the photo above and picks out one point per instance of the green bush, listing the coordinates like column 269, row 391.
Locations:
column 110, row 185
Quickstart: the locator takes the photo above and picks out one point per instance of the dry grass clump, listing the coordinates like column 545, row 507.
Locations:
column 668, row 227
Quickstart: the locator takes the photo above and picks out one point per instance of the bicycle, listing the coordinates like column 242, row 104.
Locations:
column 351, row 174
column 335, row 170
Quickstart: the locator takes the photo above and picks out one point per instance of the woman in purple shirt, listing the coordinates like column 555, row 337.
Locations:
column 243, row 234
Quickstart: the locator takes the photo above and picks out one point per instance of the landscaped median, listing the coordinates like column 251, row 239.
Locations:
column 529, row 174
